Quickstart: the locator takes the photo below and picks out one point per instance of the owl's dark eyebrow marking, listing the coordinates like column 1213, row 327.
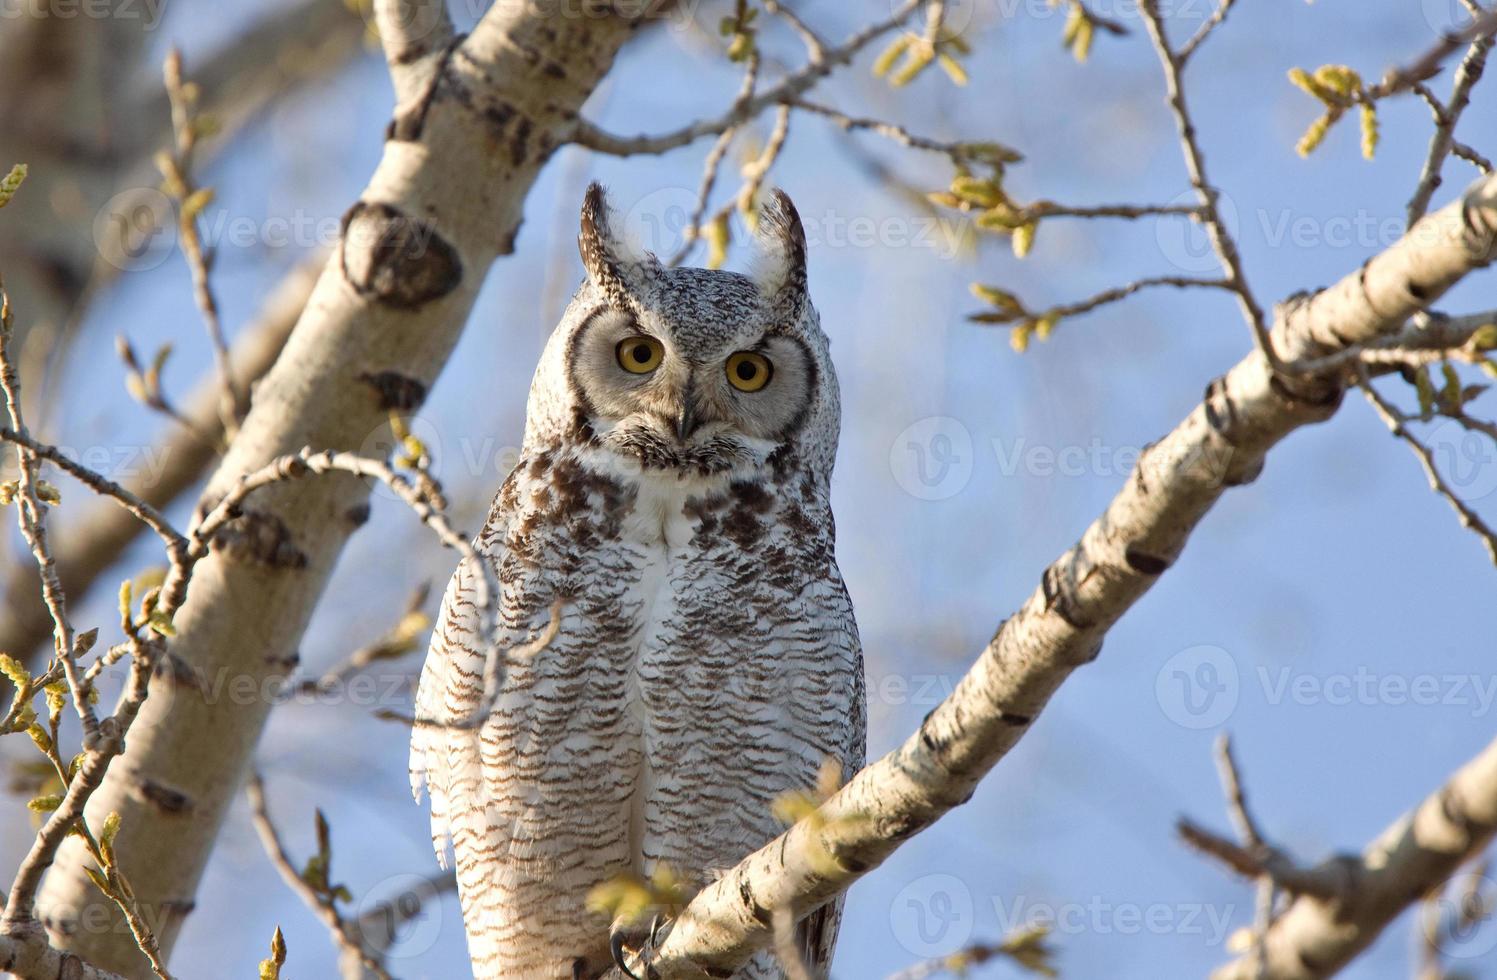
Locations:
column 574, row 344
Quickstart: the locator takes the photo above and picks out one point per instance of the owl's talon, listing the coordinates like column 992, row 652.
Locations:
column 647, row 954
column 620, row 956
column 655, row 926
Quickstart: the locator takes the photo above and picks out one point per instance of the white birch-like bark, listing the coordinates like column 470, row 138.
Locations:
column 36, row 959
column 1222, row 443
column 1316, row 937
column 444, row 202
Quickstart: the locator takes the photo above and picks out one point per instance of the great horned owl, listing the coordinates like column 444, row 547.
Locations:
column 671, row 501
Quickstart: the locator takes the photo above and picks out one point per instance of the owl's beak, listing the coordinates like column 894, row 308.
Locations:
column 688, row 416
column 686, row 419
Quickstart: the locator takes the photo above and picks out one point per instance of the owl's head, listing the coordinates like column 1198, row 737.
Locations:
column 695, row 371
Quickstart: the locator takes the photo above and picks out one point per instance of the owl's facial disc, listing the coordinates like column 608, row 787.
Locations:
column 689, row 404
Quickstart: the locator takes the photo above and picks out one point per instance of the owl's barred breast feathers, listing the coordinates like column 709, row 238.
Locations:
column 706, row 660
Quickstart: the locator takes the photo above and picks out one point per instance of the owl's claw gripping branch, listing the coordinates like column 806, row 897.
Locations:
column 616, row 946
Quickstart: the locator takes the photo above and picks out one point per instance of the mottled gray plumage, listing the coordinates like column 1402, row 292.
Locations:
column 707, row 660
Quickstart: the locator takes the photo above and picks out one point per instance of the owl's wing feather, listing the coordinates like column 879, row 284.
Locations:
column 445, row 750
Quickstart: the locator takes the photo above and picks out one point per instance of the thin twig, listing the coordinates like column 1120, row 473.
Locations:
column 815, row 43
column 961, row 153
column 397, row 640
column 1187, row 49
column 1248, row 832
column 322, row 905
column 1443, row 141
column 1427, row 336
column 792, row 86
column 1481, row 163
column 31, row 515
column 179, row 165
column 1231, row 779
column 712, row 164
column 1427, row 65
column 1322, row 882
column 100, row 484
column 1195, row 166
column 1397, row 424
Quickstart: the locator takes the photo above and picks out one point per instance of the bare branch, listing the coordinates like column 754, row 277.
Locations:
column 1396, row 422
column 1231, row 779
column 1442, row 143
column 31, row 514
column 1315, row 937
column 1195, row 166
column 1187, row 49
column 1325, row 882
column 177, row 169
column 1425, row 336
column 396, row 641
column 376, row 929
column 791, row 87
column 136, row 508
column 1428, row 64
column 325, row 907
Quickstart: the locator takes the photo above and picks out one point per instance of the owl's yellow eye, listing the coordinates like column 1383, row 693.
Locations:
column 639, row 355
column 748, row 371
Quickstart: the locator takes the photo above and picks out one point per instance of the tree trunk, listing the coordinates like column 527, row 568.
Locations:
column 444, row 202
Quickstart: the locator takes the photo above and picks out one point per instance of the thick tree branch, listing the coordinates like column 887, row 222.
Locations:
column 415, row 35
column 1315, row 937
column 444, row 202
column 1222, row 443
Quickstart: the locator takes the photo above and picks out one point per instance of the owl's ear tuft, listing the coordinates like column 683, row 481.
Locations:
column 617, row 268
column 780, row 267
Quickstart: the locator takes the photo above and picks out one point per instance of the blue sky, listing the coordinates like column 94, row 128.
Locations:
column 1332, row 616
